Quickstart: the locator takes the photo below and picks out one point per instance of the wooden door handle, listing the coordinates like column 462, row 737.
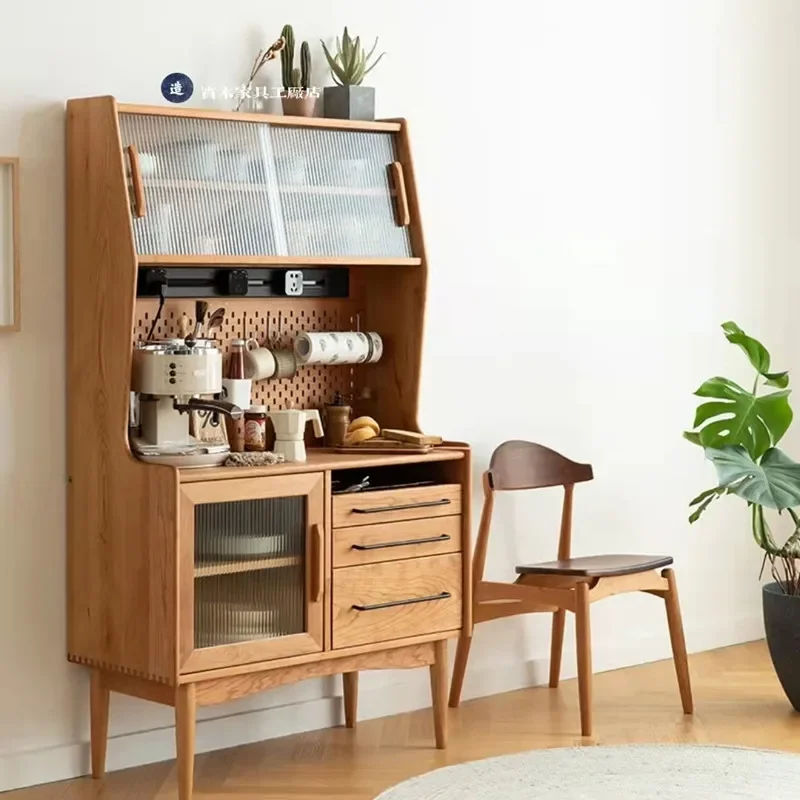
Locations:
column 139, row 202
column 401, row 196
column 317, row 564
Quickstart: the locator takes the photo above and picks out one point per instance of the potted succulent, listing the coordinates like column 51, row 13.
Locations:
column 349, row 66
column 739, row 431
column 297, row 99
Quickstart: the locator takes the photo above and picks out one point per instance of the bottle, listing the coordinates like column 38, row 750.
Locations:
column 337, row 419
column 236, row 360
column 255, row 429
column 236, row 427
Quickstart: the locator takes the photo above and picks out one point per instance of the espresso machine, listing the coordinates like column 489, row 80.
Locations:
column 171, row 379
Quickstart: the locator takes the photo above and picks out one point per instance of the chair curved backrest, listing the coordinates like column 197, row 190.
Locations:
column 518, row 464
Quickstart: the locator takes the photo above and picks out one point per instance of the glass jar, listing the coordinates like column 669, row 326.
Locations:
column 255, row 429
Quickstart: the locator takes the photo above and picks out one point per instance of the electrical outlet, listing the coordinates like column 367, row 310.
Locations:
column 294, row 282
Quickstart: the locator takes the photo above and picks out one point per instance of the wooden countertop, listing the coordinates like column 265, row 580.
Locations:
column 320, row 460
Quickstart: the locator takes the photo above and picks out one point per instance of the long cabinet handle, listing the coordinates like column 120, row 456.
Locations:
column 317, row 564
column 410, row 601
column 445, row 537
column 427, row 504
column 139, row 202
column 401, row 196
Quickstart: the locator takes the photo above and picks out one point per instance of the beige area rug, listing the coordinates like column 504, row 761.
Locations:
column 635, row 772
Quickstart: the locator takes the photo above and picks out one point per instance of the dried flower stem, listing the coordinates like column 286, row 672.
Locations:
column 262, row 58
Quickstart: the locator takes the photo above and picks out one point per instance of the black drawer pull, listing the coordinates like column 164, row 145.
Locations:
column 426, row 504
column 393, row 603
column 380, row 545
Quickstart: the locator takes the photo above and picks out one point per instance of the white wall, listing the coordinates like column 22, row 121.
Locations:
column 603, row 184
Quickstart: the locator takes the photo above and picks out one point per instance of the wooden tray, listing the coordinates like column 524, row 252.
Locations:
column 382, row 449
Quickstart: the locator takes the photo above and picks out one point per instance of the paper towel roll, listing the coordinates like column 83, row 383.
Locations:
column 337, row 347
column 314, row 348
column 375, row 348
column 351, row 347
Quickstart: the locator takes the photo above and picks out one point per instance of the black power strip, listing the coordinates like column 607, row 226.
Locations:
column 244, row 282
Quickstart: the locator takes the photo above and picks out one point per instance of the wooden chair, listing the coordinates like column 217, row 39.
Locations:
column 568, row 584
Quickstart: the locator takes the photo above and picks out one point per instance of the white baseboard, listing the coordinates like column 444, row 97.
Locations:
column 380, row 695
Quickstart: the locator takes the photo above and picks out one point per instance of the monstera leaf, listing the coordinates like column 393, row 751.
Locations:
column 773, row 483
column 734, row 416
column 757, row 353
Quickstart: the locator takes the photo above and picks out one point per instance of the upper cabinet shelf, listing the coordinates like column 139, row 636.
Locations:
column 204, row 187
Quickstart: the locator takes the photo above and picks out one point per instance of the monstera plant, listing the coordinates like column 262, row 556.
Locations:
column 739, row 430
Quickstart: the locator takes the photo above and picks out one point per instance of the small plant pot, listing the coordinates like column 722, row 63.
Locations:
column 349, row 102
column 299, row 106
column 782, row 624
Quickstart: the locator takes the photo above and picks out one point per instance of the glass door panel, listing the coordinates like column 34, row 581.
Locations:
column 336, row 195
column 208, row 185
column 252, row 570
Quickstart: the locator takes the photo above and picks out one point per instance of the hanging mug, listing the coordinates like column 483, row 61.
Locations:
column 259, row 362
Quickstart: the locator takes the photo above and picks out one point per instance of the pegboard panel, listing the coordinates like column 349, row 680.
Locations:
column 266, row 321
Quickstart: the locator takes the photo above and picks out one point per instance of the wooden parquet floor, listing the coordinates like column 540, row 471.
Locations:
column 737, row 697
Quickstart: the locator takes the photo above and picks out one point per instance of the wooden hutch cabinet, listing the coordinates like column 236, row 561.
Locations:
column 192, row 587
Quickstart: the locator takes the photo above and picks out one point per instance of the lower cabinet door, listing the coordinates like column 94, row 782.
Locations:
column 252, row 560
column 396, row 599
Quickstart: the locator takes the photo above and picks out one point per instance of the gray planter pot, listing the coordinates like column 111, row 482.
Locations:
column 782, row 624
column 349, row 102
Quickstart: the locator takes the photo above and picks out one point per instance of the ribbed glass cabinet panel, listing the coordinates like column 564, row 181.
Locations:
column 208, row 186
column 250, row 570
column 222, row 187
column 336, row 197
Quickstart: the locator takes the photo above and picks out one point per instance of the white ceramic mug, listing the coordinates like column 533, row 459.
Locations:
column 237, row 391
column 259, row 362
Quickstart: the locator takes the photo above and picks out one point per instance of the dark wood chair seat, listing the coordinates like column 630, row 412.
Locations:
column 596, row 566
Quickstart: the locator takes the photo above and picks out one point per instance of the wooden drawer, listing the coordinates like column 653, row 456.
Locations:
column 381, row 602
column 414, row 538
column 394, row 505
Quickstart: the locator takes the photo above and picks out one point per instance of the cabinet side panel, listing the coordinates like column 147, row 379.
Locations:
column 122, row 514
column 392, row 301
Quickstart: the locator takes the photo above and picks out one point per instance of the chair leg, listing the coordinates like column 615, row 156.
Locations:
column 678, row 641
column 459, row 668
column 584, row 642
column 556, row 646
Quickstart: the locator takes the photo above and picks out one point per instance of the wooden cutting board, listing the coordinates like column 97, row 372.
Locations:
column 410, row 437
column 380, row 445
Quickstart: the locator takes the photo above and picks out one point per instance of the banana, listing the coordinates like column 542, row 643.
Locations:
column 364, row 422
column 359, row 435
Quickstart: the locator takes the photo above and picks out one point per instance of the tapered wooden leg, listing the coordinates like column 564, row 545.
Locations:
column 678, row 641
column 459, row 669
column 350, row 681
column 439, row 692
column 99, row 697
column 556, row 646
column 584, row 640
column 185, row 722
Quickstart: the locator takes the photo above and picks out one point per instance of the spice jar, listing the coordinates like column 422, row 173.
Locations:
column 255, row 429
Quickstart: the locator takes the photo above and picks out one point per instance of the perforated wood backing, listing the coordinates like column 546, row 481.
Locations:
column 263, row 320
